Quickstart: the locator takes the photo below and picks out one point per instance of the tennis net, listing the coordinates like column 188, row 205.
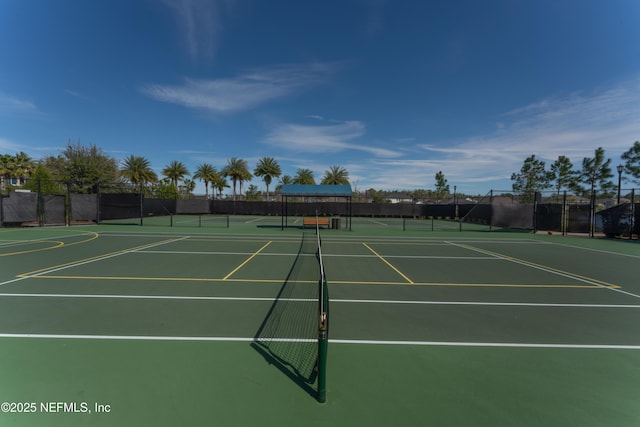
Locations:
column 294, row 334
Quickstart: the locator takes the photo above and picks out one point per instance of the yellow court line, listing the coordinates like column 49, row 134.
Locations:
column 93, row 258
column 95, row 236
column 541, row 266
column 388, row 263
column 58, row 244
column 172, row 279
column 332, row 282
column 246, row 261
column 411, row 243
column 55, row 243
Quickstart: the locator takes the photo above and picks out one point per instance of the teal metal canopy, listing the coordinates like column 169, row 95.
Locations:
column 312, row 190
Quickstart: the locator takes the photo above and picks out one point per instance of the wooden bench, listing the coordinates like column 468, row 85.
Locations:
column 312, row 221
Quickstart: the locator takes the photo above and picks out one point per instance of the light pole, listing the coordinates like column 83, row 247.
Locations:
column 620, row 168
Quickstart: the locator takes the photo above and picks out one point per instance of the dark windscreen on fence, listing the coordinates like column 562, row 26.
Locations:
column 54, row 212
column 553, row 211
column 20, row 207
column 84, row 207
column 194, row 206
column 514, row 215
column 620, row 220
column 120, row 206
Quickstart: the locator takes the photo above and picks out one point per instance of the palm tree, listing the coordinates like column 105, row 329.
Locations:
column 304, row 176
column 137, row 170
column 206, row 173
column 336, row 175
column 23, row 167
column 7, row 164
column 175, row 171
column 286, row 179
column 219, row 183
column 238, row 170
column 267, row 168
column 245, row 176
column 188, row 185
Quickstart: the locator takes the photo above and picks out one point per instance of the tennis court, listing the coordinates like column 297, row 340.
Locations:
column 191, row 325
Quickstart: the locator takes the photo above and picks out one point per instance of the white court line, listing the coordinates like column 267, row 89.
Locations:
column 336, row 301
column 333, row 341
column 143, row 251
column 540, row 267
column 64, row 267
column 490, row 344
column 44, row 239
column 151, row 297
column 254, row 220
column 592, row 249
column 377, row 222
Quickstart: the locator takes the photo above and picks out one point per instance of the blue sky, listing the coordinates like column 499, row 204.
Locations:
column 394, row 91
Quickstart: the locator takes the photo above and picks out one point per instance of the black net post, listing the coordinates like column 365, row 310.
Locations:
column 323, row 322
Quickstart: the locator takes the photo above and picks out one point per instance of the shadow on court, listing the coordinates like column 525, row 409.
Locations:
column 287, row 337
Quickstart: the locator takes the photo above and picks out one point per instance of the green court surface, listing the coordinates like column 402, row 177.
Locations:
column 165, row 325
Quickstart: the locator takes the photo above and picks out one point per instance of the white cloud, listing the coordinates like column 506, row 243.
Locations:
column 10, row 105
column 324, row 138
column 573, row 125
column 314, row 116
column 200, row 24
column 243, row 92
column 75, row 94
column 8, row 147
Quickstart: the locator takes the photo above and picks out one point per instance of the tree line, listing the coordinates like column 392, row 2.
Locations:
column 80, row 167
column 594, row 174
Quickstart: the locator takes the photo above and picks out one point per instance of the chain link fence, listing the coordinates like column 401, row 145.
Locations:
column 553, row 212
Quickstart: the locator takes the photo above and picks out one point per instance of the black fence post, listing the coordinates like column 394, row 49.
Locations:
column 592, row 214
column 141, row 205
column 633, row 224
column 490, row 209
column 537, row 197
column 564, row 220
column 68, row 206
column 39, row 204
column 98, row 204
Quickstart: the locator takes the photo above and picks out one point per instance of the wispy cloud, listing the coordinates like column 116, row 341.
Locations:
column 374, row 16
column 334, row 137
column 200, row 24
column 245, row 91
column 75, row 94
column 34, row 150
column 573, row 125
column 10, row 105
column 8, row 147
